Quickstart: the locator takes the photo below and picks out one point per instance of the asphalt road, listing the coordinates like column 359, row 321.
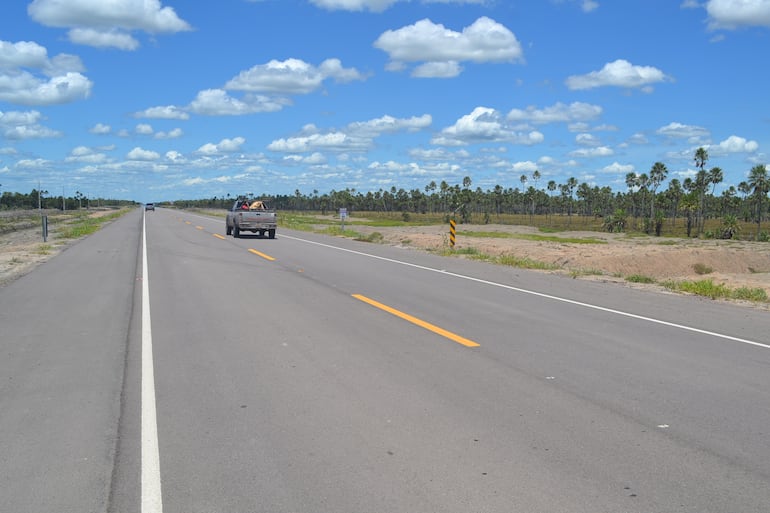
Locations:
column 314, row 374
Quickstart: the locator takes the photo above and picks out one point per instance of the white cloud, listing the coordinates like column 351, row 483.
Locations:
column 557, row 113
column 163, row 112
column 142, row 154
column 107, row 24
column 618, row 169
column 144, row 129
column 600, row 151
column 587, row 140
column 333, row 141
column 29, row 77
column 103, row 38
column 17, row 125
column 441, row 50
column 733, row 14
column 216, row 102
column 292, row 76
column 171, row 134
column 389, row 124
column 735, row 144
column 619, row 73
column 223, row 146
column 100, row 129
column 524, row 167
column 356, row 136
column 86, row 155
column 378, row 5
column 693, row 134
column 483, row 125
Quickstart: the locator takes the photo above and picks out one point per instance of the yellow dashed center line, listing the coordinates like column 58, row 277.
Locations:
column 414, row 320
column 218, row 236
column 266, row 257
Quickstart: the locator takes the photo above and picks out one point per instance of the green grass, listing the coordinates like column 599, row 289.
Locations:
column 531, row 237
column 83, row 225
column 639, row 278
column 43, row 249
column 708, row 288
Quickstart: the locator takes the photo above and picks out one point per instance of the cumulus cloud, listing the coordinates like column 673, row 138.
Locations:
column 733, row 14
column 379, row 5
column 356, row 136
column 484, row 125
column 735, row 144
column 619, row 73
column 163, row 112
column 223, row 146
column 441, row 50
column 599, row 151
column 292, row 76
column 171, row 134
column 86, row 155
column 100, row 129
column 144, row 129
column 18, row 125
column 216, row 102
column 693, row 134
column 557, row 113
column 107, row 24
column 617, row 168
column 142, row 154
column 29, row 77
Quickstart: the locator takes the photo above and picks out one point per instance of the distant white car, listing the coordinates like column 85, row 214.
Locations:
column 150, row 206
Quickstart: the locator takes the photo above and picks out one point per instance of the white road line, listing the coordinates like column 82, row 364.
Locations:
column 539, row 294
column 152, row 499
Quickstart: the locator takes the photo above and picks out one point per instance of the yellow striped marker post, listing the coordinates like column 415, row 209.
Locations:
column 452, row 232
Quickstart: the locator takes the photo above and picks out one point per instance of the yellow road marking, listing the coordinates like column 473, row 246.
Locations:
column 414, row 320
column 199, row 227
column 187, row 222
column 218, row 236
column 266, row 257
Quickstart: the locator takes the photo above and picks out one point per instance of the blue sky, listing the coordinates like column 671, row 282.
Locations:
column 154, row 101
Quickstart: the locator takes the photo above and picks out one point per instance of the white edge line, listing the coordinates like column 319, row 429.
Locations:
column 152, row 499
column 540, row 294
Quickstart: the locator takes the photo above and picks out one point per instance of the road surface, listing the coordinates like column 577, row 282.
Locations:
column 158, row 365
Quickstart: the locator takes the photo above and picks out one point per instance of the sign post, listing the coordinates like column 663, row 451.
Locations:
column 452, row 232
column 343, row 216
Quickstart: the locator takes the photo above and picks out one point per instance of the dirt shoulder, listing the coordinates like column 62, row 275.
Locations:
column 23, row 248
column 613, row 257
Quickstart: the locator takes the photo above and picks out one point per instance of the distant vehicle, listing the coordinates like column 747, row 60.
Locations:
column 150, row 206
column 253, row 216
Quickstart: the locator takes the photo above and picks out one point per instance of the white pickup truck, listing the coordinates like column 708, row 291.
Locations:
column 253, row 216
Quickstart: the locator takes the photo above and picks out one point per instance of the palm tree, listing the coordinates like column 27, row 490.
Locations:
column 760, row 185
column 701, row 182
column 658, row 173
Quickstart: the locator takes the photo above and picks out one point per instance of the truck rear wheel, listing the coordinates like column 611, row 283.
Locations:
column 271, row 234
column 236, row 232
column 228, row 229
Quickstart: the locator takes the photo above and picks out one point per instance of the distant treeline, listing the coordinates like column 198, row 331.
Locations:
column 41, row 199
column 692, row 199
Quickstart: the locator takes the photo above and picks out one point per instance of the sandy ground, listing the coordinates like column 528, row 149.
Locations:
column 733, row 263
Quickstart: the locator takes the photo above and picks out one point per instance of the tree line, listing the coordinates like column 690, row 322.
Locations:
column 38, row 198
column 645, row 200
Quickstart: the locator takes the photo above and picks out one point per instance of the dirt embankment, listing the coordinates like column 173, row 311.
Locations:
column 615, row 257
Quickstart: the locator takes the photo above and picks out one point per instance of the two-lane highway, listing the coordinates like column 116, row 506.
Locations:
column 311, row 374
